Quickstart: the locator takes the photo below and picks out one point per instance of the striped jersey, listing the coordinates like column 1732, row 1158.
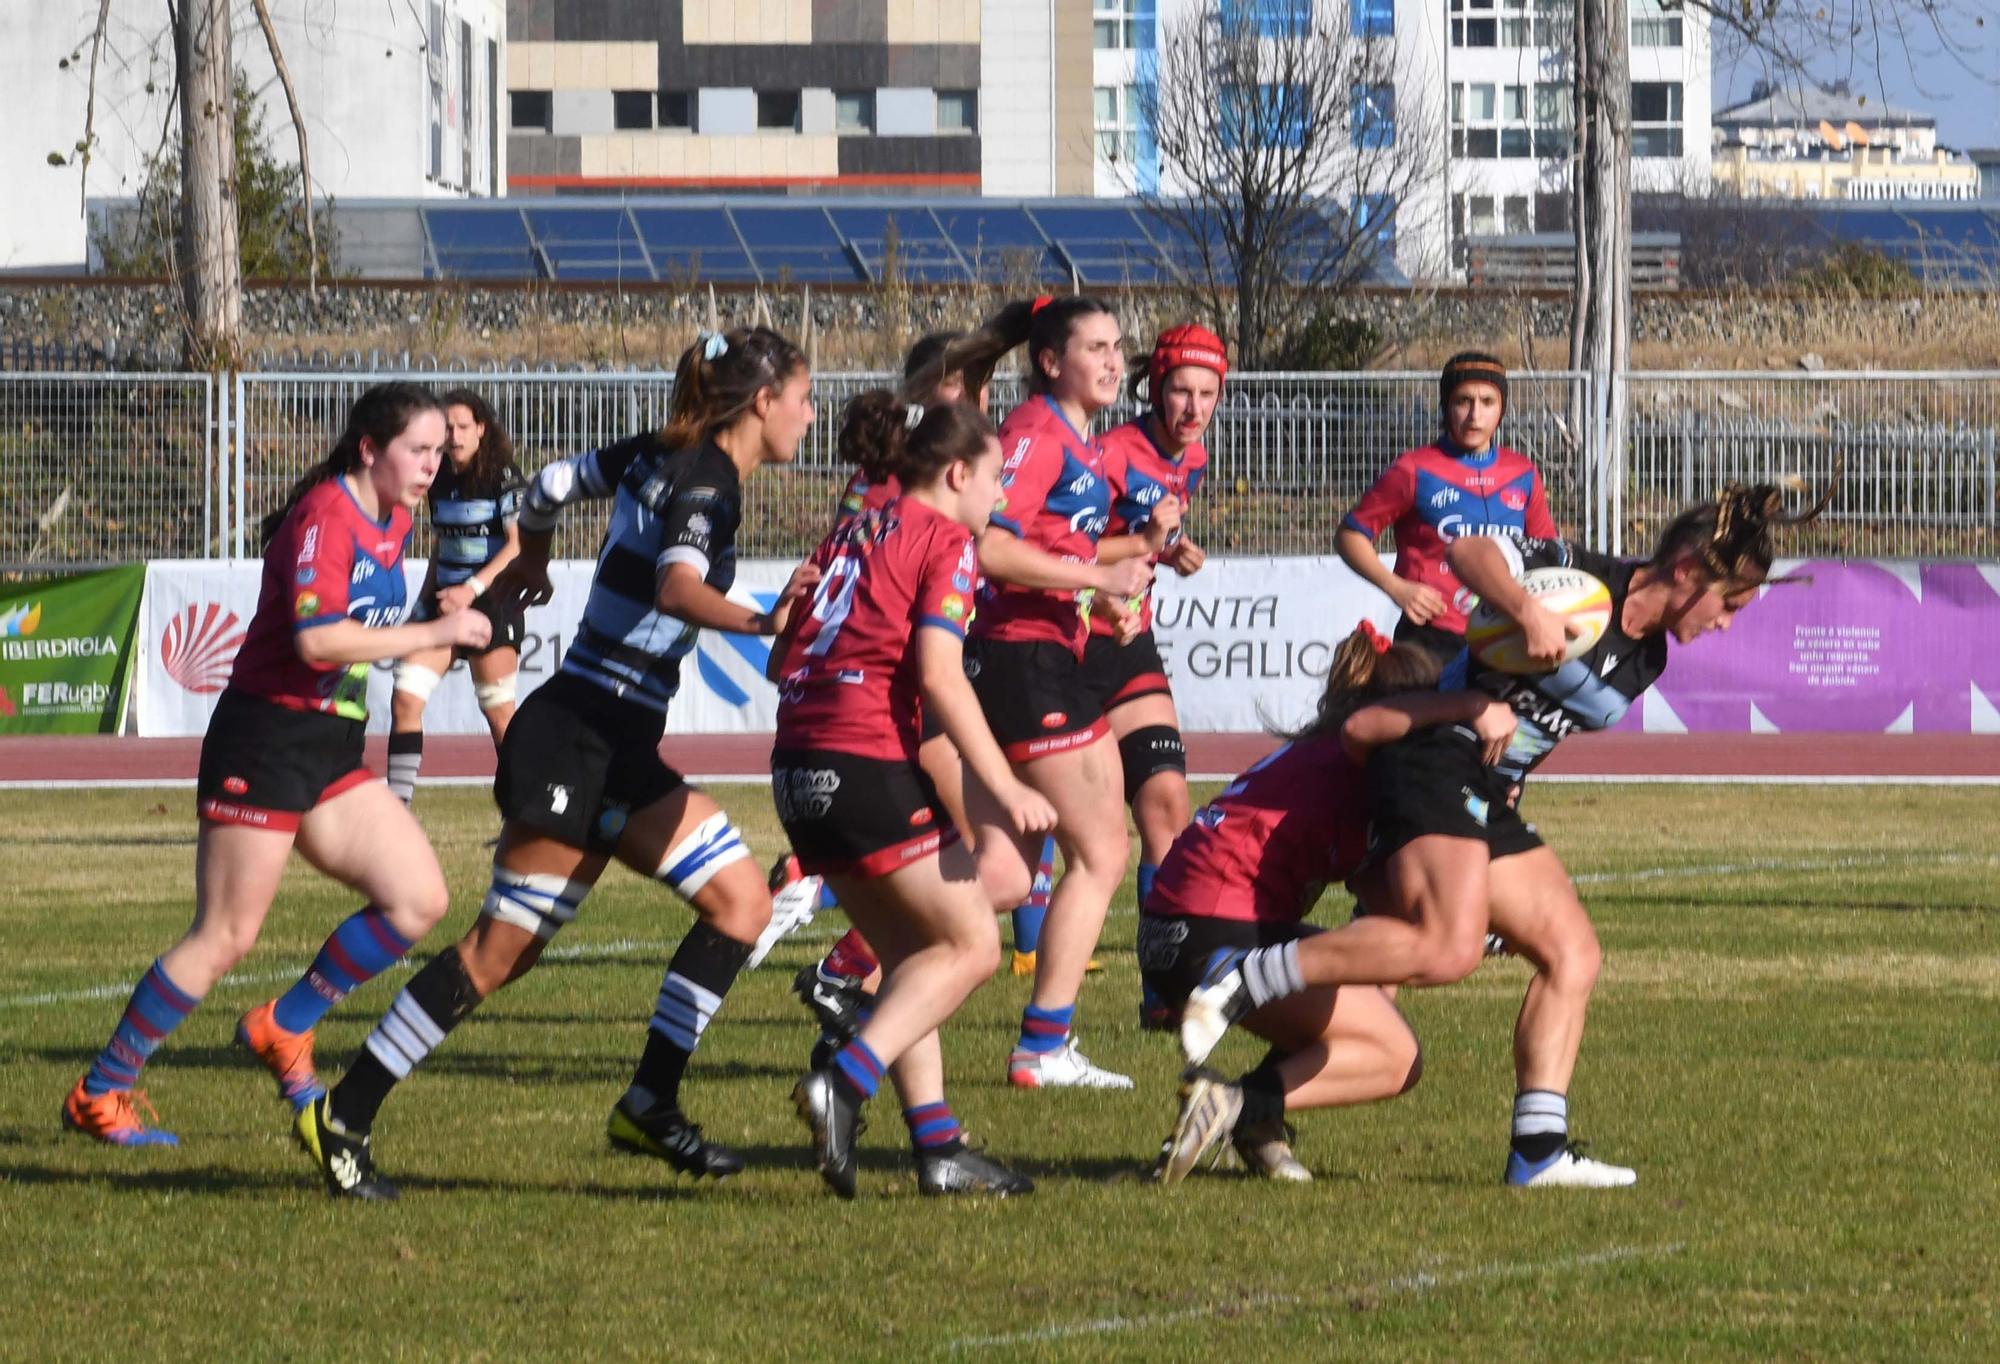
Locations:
column 669, row 507
column 469, row 519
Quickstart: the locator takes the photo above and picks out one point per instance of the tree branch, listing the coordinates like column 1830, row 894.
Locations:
column 263, row 9
column 90, row 107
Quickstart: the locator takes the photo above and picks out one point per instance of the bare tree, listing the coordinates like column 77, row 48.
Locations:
column 211, row 266
column 1269, row 143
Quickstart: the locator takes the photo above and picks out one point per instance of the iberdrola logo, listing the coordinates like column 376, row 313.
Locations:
column 22, row 620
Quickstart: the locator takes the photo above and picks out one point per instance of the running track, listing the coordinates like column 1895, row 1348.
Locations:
column 1941, row 758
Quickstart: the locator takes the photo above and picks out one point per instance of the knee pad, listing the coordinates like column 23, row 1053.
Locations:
column 418, row 681
column 539, row 904
column 1149, row 751
column 499, row 692
column 692, row 862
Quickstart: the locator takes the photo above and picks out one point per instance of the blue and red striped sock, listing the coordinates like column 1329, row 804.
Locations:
column 362, row 948
column 156, row 1008
column 1029, row 917
column 933, row 1128
column 1044, row 1030
column 859, row 1068
column 1147, row 871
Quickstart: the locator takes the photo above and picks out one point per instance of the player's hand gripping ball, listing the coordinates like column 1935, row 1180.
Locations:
column 1573, row 595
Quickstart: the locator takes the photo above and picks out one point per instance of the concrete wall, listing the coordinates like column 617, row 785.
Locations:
column 1017, row 94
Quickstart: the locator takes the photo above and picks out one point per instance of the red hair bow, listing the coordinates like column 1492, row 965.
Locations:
column 1379, row 641
column 1044, row 301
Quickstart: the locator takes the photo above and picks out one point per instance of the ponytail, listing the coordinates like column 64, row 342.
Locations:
column 1367, row 667
column 974, row 354
column 889, row 438
column 1731, row 536
column 719, row 377
column 378, row 416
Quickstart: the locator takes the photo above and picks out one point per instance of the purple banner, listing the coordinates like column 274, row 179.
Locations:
column 1886, row 646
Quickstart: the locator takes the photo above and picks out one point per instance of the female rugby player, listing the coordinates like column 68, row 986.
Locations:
column 1454, row 857
column 581, row 780
column 475, row 502
column 882, row 643
column 281, row 766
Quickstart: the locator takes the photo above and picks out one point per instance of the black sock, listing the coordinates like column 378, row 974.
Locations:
column 704, row 966
column 436, row 1000
column 406, row 759
column 1263, row 1095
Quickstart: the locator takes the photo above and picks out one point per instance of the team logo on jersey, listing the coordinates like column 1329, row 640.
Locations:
column 1209, row 817
column 962, row 581
column 954, row 608
column 235, row 786
column 558, row 799
column 699, row 525
column 920, row 818
column 305, row 576
column 306, row 606
column 1444, row 497
column 1055, row 719
column 309, row 547
column 1513, row 499
column 611, row 823
column 198, row 646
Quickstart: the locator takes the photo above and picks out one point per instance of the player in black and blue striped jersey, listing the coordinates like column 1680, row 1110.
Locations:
column 581, row 780
column 474, row 503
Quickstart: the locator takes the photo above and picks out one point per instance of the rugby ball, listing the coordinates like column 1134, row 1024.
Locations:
column 1496, row 640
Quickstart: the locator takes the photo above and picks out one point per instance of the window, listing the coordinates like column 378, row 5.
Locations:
column 854, row 111
column 1372, row 116
column 1652, row 26
column 1474, row 119
column 1373, row 18
column 1514, row 214
column 1516, row 141
column 1473, row 24
column 528, row 111
column 1553, row 104
column 1271, row 115
column 778, row 110
column 677, row 109
column 1115, row 116
column 631, row 109
column 1114, row 25
column 958, row 111
column 1376, row 214
column 1656, row 118
column 1268, row 18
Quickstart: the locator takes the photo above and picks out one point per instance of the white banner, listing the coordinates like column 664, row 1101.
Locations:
column 196, row 610
column 1246, row 642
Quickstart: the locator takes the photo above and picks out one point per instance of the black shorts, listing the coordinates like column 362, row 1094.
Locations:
column 1117, row 673
column 264, row 765
column 1434, row 783
column 577, row 761
column 856, row 816
column 1177, row 954
column 509, row 625
column 1035, row 697
column 1440, row 644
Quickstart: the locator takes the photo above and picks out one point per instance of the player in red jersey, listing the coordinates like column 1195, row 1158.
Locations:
column 281, row 765
column 1467, row 483
column 1026, row 664
column 1155, row 459
column 881, row 648
column 1249, row 869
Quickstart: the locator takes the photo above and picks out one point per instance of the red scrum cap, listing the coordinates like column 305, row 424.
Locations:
column 1187, row 344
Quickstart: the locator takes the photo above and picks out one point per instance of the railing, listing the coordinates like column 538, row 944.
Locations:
column 118, row 468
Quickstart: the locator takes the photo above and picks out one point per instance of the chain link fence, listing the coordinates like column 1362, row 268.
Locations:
column 122, row 468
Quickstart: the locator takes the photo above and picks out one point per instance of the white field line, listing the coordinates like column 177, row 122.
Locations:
column 1415, row 1283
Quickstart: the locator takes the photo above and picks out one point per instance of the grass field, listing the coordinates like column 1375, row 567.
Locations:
column 1794, row 1041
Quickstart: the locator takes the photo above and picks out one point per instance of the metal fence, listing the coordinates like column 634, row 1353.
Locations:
column 118, row 468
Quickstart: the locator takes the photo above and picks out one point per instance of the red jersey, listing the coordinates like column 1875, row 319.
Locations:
column 861, row 495
column 1056, row 499
column 1277, row 836
column 1434, row 495
column 850, row 677
column 1140, row 474
column 329, row 561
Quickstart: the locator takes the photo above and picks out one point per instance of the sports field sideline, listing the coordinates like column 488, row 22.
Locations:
column 1794, row 1043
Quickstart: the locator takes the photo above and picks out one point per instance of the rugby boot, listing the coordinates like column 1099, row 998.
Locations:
column 287, row 1055
column 113, row 1118
column 966, row 1171
column 1210, row 1106
column 1568, row 1168
column 666, row 1134
column 794, row 901
column 1210, row 1011
column 1063, row 1068
column 834, row 1119
column 343, row 1157
column 1266, row 1152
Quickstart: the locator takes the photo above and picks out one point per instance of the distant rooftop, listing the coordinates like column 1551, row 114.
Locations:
column 1807, row 108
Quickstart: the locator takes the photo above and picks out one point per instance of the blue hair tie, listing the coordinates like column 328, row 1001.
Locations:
column 714, row 345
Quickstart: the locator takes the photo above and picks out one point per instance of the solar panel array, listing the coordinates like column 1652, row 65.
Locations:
column 960, row 241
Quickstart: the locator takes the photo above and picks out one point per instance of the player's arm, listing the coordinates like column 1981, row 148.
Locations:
column 686, row 596
column 1397, row 717
column 345, row 641
column 1388, row 500
column 1005, row 557
column 1482, row 565
column 1155, row 532
column 524, row 580
column 949, row 697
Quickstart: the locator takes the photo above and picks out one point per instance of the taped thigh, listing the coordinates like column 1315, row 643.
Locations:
column 416, row 679
column 1147, row 752
column 539, row 904
column 694, row 861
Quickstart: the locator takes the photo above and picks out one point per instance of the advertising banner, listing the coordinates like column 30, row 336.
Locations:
column 65, row 646
column 1883, row 646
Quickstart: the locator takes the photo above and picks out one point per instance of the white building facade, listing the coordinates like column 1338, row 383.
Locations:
column 400, row 101
column 1482, row 87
